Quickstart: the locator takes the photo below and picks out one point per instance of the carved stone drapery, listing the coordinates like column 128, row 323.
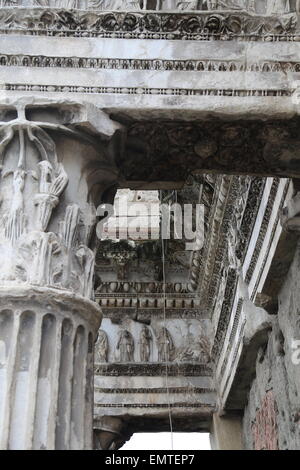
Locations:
column 101, row 348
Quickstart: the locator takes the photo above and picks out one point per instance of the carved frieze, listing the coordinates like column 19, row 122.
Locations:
column 117, row 313
column 157, row 390
column 186, row 405
column 204, row 65
column 197, row 349
column 270, row 7
column 151, row 25
column 135, row 287
column 151, row 370
column 254, row 197
column 140, row 340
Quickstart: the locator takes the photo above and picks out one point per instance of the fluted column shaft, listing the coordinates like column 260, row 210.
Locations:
column 46, row 369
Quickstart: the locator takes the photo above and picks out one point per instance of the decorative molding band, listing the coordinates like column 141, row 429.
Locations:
column 231, row 285
column 117, row 314
column 151, row 370
column 261, row 237
column 263, row 264
column 237, row 347
column 207, row 190
column 230, row 292
column 255, row 193
column 214, row 245
column 196, row 25
column 232, row 335
column 155, row 405
column 242, row 93
column 250, row 213
column 205, row 65
column 131, row 289
column 154, row 390
column 219, row 252
column 263, row 230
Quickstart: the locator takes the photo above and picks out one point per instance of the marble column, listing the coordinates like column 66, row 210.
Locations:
column 48, row 319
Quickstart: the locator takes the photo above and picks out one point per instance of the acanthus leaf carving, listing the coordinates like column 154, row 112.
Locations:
column 52, row 184
column 31, row 184
column 180, row 24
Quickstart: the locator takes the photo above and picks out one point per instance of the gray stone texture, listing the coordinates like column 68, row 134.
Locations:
column 199, row 100
column 277, row 372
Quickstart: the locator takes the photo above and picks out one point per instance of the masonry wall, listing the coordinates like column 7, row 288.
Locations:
column 272, row 414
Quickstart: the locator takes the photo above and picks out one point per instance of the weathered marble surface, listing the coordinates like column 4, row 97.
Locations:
column 48, row 316
column 195, row 71
column 149, row 79
column 274, row 393
column 233, row 326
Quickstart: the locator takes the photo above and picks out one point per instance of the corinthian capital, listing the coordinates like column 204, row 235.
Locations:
column 49, row 167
